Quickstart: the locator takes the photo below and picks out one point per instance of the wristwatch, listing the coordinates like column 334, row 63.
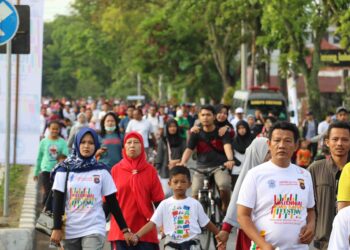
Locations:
column 126, row 230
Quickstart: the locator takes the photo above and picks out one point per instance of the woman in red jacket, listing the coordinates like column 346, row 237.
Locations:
column 138, row 189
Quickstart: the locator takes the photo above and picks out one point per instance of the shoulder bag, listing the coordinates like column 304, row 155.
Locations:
column 45, row 223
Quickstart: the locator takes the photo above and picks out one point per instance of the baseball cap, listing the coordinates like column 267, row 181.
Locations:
column 239, row 110
column 340, row 109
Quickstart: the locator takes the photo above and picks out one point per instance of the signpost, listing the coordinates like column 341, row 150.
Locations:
column 9, row 23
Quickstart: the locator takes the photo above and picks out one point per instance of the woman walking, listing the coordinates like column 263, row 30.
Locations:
column 111, row 141
column 139, row 190
column 170, row 149
column 256, row 154
column 88, row 181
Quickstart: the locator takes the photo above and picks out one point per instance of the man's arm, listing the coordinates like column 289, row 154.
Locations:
column 247, row 225
column 307, row 232
column 185, row 157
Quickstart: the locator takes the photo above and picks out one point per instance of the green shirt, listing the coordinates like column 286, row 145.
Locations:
column 48, row 152
column 184, row 125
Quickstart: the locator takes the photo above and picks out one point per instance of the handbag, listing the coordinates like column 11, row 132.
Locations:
column 44, row 223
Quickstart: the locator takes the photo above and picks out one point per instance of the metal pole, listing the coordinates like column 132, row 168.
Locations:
column 8, row 124
column 16, row 107
column 138, row 84
column 243, row 60
column 160, row 88
column 16, row 112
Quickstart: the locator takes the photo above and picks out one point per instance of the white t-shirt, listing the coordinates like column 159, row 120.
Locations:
column 181, row 219
column 279, row 198
column 143, row 127
column 322, row 127
column 341, row 231
column 83, row 208
column 157, row 123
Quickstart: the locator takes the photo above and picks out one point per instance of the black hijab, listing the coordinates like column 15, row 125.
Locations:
column 174, row 140
column 240, row 143
column 226, row 122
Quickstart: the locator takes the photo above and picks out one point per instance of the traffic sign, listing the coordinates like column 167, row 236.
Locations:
column 9, row 21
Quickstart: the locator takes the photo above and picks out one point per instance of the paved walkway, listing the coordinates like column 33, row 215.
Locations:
column 28, row 214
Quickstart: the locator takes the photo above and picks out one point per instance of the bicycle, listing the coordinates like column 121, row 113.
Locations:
column 209, row 197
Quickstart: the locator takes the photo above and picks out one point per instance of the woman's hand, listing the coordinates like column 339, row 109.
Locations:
column 195, row 129
column 223, row 130
column 173, row 163
column 100, row 151
column 56, row 236
column 222, row 237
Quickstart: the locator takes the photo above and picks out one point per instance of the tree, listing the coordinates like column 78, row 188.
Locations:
column 292, row 22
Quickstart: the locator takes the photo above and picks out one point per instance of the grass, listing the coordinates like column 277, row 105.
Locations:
column 18, row 181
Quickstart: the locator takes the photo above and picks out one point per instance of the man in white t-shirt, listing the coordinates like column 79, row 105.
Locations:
column 156, row 121
column 144, row 127
column 276, row 201
column 340, row 235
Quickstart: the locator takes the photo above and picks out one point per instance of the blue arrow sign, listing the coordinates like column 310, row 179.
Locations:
column 9, row 21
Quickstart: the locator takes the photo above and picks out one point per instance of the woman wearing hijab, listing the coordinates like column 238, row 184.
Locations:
column 222, row 122
column 241, row 142
column 88, row 181
column 139, row 190
column 170, row 149
column 256, row 154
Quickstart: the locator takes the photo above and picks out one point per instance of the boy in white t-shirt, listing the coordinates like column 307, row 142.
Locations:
column 180, row 216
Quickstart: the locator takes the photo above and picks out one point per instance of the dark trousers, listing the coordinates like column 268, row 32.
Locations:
column 47, row 185
column 313, row 148
column 121, row 245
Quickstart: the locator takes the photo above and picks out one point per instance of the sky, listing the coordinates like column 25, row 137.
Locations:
column 56, row 7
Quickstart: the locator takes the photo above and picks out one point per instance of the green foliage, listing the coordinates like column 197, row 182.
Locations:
column 192, row 44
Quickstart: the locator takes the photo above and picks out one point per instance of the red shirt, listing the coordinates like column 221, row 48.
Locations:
column 134, row 219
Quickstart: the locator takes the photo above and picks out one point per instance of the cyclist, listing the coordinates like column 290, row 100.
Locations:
column 213, row 150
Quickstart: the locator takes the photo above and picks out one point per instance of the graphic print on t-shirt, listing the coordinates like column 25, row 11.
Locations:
column 181, row 219
column 286, row 209
column 53, row 152
column 82, row 198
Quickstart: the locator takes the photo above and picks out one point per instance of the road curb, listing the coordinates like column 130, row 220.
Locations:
column 21, row 238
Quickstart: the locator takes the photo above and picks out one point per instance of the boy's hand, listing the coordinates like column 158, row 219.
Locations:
column 221, row 246
column 128, row 238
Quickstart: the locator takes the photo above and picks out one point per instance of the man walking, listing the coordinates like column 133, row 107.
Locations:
column 325, row 175
column 276, row 200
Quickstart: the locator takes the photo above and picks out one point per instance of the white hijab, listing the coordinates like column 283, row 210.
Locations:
column 254, row 156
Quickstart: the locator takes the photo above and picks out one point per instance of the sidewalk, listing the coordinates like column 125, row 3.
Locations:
column 21, row 238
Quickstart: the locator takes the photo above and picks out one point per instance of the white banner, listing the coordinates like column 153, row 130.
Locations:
column 30, row 76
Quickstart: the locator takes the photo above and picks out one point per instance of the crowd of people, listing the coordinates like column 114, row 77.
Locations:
column 281, row 186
